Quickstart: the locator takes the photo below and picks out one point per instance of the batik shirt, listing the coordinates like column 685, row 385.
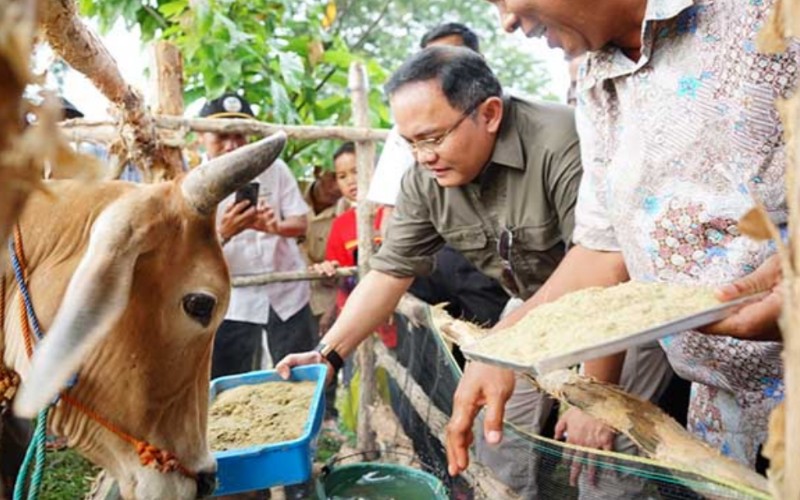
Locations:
column 675, row 149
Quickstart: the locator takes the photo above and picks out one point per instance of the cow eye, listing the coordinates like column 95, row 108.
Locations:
column 200, row 307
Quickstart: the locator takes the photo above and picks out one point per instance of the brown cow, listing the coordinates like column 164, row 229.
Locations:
column 130, row 283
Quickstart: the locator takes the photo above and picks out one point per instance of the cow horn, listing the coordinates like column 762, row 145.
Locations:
column 207, row 185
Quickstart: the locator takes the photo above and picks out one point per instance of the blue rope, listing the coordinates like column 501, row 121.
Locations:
column 36, row 448
column 23, row 288
column 35, row 451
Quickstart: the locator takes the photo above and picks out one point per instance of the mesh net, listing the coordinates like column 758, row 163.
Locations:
column 555, row 470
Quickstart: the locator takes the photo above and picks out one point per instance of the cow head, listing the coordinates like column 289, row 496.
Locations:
column 137, row 319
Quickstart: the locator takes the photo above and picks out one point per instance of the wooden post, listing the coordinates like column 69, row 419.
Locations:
column 365, row 158
column 783, row 25
column 790, row 320
column 168, row 76
column 85, row 52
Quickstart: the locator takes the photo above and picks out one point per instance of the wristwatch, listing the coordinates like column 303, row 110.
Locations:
column 330, row 354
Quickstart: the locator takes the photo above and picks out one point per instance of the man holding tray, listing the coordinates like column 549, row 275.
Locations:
column 679, row 133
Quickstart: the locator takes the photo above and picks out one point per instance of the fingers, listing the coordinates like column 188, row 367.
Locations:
column 480, row 385
column 327, row 268
column 284, row 368
column 561, row 429
column 238, row 208
column 591, row 470
column 575, row 467
column 458, row 433
column 765, row 277
column 493, row 420
column 498, row 386
column 457, row 448
column 757, row 321
column 242, row 218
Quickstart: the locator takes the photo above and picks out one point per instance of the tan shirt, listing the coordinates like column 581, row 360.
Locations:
column 323, row 293
column 529, row 188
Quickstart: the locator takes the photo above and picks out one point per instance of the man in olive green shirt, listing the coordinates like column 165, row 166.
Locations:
column 496, row 178
column 513, row 220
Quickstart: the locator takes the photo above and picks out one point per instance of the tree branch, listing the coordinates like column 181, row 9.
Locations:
column 172, row 130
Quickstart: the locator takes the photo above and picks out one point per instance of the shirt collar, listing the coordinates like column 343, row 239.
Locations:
column 661, row 10
column 508, row 149
column 309, row 199
column 611, row 62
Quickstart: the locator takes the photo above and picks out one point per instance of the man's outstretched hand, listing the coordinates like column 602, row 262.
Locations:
column 284, row 367
column 482, row 385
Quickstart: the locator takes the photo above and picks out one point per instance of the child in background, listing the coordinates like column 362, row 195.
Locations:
column 342, row 247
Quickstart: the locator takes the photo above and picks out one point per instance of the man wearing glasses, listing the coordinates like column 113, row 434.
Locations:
column 496, row 178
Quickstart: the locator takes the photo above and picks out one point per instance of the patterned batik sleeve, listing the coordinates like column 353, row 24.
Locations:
column 593, row 227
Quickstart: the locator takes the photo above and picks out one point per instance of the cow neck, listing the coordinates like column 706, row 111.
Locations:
column 9, row 379
column 149, row 455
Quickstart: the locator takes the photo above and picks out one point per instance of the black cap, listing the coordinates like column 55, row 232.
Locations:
column 69, row 109
column 229, row 105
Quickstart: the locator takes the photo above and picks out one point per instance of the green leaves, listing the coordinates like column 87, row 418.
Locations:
column 291, row 69
column 276, row 51
column 171, row 9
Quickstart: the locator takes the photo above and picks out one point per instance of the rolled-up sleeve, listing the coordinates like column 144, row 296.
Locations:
column 563, row 180
column 593, row 228
column 411, row 237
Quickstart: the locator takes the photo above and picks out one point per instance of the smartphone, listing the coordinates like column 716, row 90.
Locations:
column 249, row 193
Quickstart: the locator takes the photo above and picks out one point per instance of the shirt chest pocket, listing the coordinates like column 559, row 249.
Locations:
column 537, row 238
column 467, row 240
column 535, row 253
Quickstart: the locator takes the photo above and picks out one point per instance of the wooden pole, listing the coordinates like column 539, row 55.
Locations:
column 784, row 25
column 283, row 276
column 172, row 130
column 85, row 52
column 169, row 94
column 365, row 158
column 790, row 320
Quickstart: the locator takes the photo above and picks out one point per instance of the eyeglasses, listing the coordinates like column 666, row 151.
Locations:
column 431, row 144
column 504, row 245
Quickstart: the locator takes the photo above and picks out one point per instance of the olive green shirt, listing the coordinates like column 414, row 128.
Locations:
column 529, row 187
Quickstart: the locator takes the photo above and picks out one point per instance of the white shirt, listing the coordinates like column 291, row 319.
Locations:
column 254, row 252
column 396, row 158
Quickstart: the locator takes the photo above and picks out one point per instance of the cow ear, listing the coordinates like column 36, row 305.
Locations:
column 95, row 299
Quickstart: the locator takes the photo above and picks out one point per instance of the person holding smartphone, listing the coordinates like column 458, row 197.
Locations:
column 258, row 227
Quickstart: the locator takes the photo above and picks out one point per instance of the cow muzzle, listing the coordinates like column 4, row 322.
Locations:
column 206, row 483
